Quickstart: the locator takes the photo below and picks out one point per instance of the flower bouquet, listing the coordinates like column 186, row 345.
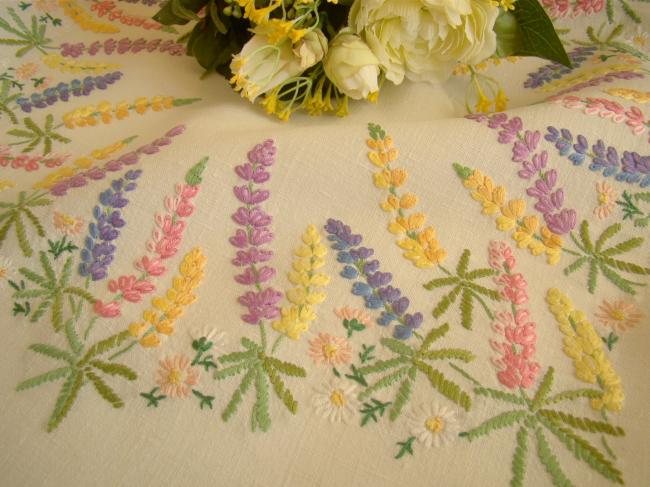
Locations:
column 317, row 54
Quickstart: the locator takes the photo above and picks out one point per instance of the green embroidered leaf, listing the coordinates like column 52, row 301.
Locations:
column 105, row 345
column 449, row 353
column 382, row 365
column 585, row 238
column 583, row 450
column 115, row 369
column 466, row 308
column 238, row 356
column 49, row 376
column 433, row 335
column 237, row 396
column 21, row 235
column 608, row 233
column 248, row 343
column 104, row 390
column 543, row 390
column 463, row 263
column 35, row 221
column 71, row 334
column 77, row 291
column 397, row 346
column 33, row 277
column 500, row 395
column 366, row 353
column 376, row 132
column 31, row 293
column 440, row 282
column 152, row 398
column 480, row 273
column 519, row 459
column 281, row 391
column 260, row 414
column 446, row 387
column 65, row 400
column 446, row 301
column 575, row 265
column 584, row 424
column 463, row 172
column 286, row 368
column 549, row 461
column 204, row 400
column 193, row 177
column 384, row 382
column 57, row 312
column 405, row 447
column 40, row 311
column 357, row 376
column 616, row 279
column 593, row 274
column 371, row 409
column 464, row 374
column 233, row 370
column 53, row 352
column 500, row 421
column 353, row 326
column 626, row 266
column 402, row 397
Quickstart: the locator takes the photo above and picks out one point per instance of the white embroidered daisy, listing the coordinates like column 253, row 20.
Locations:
column 336, row 401
column 433, row 424
column 6, row 267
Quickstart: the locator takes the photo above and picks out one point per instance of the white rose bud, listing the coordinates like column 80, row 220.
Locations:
column 423, row 40
column 351, row 66
column 311, row 48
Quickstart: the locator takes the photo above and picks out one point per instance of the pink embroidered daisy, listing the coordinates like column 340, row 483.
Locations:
column 66, row 224
column 25, row 71
column 330, row 350
column 619, row 315
column 176, row 377
column 348, row 313
column 606, row 200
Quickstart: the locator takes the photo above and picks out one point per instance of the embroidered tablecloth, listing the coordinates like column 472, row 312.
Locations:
column 194, row 293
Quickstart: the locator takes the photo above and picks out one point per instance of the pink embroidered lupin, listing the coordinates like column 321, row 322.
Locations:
column 516, row 344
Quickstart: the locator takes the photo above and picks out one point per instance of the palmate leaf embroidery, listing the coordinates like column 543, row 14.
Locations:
column 465, row 287
column 605, row 261
column 630, row 208
column 11, row 215
column 51, row 290
column 33, row 135
column 260, row 370
column 28, row 38
column 535, row 418
column 7, row 99
column 408, row 362
column 79, row 370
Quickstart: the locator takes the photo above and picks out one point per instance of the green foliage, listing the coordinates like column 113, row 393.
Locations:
column 353, row 326
column 550, row 462
column 260, row 414
column 543, row 390
column 384, row 382
column 65, row 400
column 194, row 175
column 610, row 340
column 464, row 285
column 104, row 390
column 366, row 353
column 499, row 421
column 50, row 376
column 602, row 261
column 584, row 424
column 204, row 400
column 28, row 38
column 56, row 248
column 405, row 447
column 376, row 132
column 371, row 409
column 237, row 396
column 11, row 215
column 519, row 458
column 500, row 395
column 152, row 398
column 446, row 387
column 33, row 135
column 402, row 397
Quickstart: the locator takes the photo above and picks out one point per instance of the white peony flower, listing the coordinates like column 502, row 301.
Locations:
column 351, row 66
column 311, row 48
column 422, row 40
column 433, row 425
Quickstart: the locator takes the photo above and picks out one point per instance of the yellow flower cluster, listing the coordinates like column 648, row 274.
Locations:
column 587, row 75
column 6, row 183
column 84, row 20
column 66, row 65
column 419, row 242
column 527, row 233
column 105, row 111
column 167, row 309
column 79, row 164
column 295, row 319
column 630, row 94
column 583, row 345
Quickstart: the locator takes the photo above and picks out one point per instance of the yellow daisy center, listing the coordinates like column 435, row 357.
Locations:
column 617, row 314
column 603, row 198
column 435, row 424
column 3, row 272
column 338, row 398
column 330, row 350
column 175, row 377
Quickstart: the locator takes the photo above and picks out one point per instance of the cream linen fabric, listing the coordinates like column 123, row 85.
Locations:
column 321, row 171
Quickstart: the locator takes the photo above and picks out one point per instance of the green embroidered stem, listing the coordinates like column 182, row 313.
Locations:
column 123, row 351
column 276, row 343
column 90, row 327
column 464, row 374
column 262, row 336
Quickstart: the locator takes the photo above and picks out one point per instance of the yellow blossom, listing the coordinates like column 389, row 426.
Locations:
column 585, row 348
column 510, row 213
column 5, row 183
column 491, row 197
column 500, row 101
column 84, row 20
column 403, row 224
column 552, row 245
column 524, row 235
column 483, row 104
column 424, row 251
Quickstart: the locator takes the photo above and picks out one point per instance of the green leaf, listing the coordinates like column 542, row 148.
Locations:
column 446, row 387
column 519, row 458
column 115, row 369
column 433, row 335
column 237, row 396
column 279, row 388
column 104, row 390
column 575, row 265
column 584, row 424
column 286, row 368
column 402, row 397
column 550, row 462
column 616, row 279
column 543, row 390
column 49, row 376
column 500, row 395
column 77, row 291
column 382, row 365
column 466, row 308
column 71, row 334
column 445, row 302
column 168, row 14
column 449, row 353
column 53, row 352
column 573, row 395
column 537, row 33
column 440, row 282
column 371, row 409
column 65, row 400
column 233, row 370
column 405, row 447
column 193, row 176
column 397, row 346
column 500, row 421
column 384, row 382
column 608, row 233
column 584, row 236
column 57, row 311
column 463, row 172
column 463, row 263
column 21, row 235
column 105, row 345
column 260, row 414
column 623, row 247
column 35, row 221
column 238, row 356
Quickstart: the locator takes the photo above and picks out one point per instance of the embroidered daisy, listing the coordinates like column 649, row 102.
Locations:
column 433, row 425
column 619, row 315
column 606, row 200
column 348, row 313
column 639, row 39
column 6, row 266
column 25, row 71
column 336, row 401
column 5, row 183
column 66, row 224
column 176, row 377
column 330, row 350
